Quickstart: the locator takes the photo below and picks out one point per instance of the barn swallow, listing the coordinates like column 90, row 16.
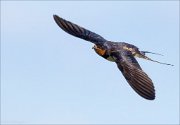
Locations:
column 123, row 54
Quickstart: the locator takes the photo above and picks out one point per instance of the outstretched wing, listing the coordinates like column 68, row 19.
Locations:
column 78, row 31
column 134, row 75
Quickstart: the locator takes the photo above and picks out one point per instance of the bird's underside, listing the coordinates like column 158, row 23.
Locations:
column 123, row 54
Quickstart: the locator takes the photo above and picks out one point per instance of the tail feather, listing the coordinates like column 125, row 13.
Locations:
column 144, row 52
column 142, row 55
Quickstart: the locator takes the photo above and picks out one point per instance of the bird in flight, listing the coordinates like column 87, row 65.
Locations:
column 123, row 54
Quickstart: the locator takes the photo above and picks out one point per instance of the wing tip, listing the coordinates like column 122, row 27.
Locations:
column 55, row 16
column 152, row 97
column 146, row 94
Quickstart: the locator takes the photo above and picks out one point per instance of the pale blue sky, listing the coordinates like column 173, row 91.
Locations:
column 48, row 76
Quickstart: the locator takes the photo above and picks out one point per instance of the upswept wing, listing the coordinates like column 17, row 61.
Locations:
column 134, row 75
column 78, row 31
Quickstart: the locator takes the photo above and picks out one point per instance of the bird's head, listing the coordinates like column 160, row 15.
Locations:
column 100, row 51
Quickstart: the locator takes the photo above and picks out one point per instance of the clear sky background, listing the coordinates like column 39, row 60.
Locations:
column 48, row 76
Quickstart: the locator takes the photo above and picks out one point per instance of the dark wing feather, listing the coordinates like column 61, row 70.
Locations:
column 135, row 76
column 127, row 55
column 78, row 31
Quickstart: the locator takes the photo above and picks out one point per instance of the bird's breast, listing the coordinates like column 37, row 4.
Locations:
column 110, row 58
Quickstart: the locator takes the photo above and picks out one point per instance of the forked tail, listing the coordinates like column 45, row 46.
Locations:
column 142, row 55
